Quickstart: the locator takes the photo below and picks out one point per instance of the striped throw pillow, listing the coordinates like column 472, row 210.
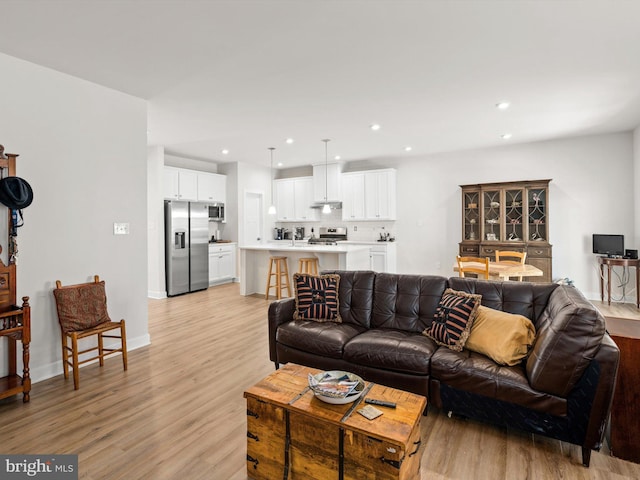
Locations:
column 317, row 297
column 453, row 319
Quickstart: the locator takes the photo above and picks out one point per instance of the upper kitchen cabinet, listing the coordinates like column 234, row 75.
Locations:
column 327, row 179
column 180, row 184
column 293, row 199
column 353, row 199
column 369, row 195
column 212, row 188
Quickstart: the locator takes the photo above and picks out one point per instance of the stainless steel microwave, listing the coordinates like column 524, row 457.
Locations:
column 216, row 212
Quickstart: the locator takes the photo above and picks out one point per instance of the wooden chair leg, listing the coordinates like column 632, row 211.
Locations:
column 266, row 295
column 101, row 350
column 65, row 356
column 123, row 342
column 76, row 372
column 286, row 274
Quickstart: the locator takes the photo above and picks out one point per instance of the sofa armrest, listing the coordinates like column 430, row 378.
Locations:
column 608, row 359
column 280, row 311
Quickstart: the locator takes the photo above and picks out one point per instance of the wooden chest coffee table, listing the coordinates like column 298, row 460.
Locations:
column 291, row 434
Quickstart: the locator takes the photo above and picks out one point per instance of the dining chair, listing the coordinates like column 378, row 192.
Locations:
column 82, row 312
column 476, row 265
column 508, row 256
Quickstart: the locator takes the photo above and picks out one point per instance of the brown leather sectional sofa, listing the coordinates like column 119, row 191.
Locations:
column 563, row 389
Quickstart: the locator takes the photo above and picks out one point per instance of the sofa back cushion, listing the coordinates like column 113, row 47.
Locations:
column 520, row 298
column 569, row 333
column 406, row 302
column 355, row 295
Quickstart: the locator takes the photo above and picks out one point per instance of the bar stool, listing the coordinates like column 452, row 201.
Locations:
column 308, row 265
column 281, row 270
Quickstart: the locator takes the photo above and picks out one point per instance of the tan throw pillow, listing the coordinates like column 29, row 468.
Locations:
column 504, row 337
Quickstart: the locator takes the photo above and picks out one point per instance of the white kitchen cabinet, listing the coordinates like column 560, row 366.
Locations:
column 284, row 191
column 369, row 195
column 353, row 197
column 380, row 194
column 212, row 188
column 382, row 255
column 222, row 263
column 331, row 179
column 293, row 199
column 180, row 184
column 303, row 198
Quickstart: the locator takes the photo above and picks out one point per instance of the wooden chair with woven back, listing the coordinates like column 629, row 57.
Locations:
column 82, row 313
column 476, row 265
column 511, row 257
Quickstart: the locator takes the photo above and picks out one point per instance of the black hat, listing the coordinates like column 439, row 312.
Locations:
column 15, row 192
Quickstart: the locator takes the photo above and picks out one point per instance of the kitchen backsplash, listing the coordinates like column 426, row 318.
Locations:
column 362, row 231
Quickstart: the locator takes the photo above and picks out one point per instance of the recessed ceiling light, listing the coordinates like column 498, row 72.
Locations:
column 225, row 151
column 337, row 157
column 280, row 164
column 408, row 148
column 289, row 141
column 374, row 127
column 505, row 136
column 503, row 105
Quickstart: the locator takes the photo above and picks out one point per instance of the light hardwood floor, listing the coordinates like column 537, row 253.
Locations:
column 179, row 413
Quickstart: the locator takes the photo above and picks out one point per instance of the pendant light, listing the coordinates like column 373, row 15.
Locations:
column 272, row 208
column 326, row 208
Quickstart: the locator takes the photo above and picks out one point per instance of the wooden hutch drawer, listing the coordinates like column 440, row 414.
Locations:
column 542, row 251
column 490, row 250
column 469, row 249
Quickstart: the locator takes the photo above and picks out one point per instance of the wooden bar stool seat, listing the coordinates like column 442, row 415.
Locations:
column 278, row 268
column 308, row 265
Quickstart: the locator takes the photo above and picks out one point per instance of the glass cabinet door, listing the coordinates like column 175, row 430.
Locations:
column 514, row 211
column 471, row 209
column 537, row 208
column 491, row 215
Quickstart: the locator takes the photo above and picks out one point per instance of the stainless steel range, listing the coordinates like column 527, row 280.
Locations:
column 329, row 236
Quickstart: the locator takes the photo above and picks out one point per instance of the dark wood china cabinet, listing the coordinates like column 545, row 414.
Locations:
column 508, row 216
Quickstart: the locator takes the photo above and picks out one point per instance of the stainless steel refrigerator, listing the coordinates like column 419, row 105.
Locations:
column 186, row 226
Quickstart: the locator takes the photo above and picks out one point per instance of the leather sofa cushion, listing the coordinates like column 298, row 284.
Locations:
column 322, row 338
column 522, row 298
column 569, row 334
column 356, row 295
column 388, row 349
column 406, row 302
column 475, row 373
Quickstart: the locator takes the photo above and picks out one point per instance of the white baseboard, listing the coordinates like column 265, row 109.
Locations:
column 44, row 372
column 156, row 294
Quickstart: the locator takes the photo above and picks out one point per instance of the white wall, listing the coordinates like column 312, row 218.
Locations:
column 636, row 181
column 256, row 179
column 592, row 191
column 155, row 220
column 83, row 150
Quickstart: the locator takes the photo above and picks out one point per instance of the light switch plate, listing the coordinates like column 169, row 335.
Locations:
column 121, row 228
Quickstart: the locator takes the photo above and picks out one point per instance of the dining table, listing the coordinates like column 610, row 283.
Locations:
column 506, row 270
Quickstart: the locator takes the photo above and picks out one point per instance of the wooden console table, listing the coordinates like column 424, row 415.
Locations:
column 617, row 262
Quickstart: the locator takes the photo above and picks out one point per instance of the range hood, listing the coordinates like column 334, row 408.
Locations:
column 334, row 205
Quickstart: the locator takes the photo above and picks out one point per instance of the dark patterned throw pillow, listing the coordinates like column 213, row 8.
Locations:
column 453, row 319
column 81, row 307
column 317, row 297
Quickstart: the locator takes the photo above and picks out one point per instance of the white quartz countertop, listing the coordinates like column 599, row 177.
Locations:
column 362, row 242
column 305, row 247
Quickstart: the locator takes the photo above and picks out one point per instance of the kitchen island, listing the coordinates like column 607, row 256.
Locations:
column 254, row 261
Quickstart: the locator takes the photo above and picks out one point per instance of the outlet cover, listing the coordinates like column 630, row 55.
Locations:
column 121, row 228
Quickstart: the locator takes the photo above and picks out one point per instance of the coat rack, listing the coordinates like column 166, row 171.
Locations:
column 15, row 321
